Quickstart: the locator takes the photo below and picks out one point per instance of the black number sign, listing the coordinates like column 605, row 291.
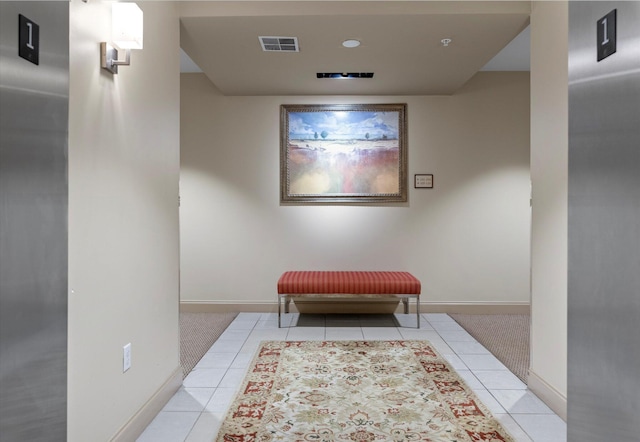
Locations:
column 606, row 33
column 29, row 40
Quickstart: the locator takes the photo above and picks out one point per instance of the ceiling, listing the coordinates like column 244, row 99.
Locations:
column 400, row 43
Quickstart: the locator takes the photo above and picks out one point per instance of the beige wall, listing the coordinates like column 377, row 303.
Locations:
column 549, row 175
column 467, row 239
column 123, row 220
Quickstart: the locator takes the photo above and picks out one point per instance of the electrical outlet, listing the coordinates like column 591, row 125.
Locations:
column 126, row 357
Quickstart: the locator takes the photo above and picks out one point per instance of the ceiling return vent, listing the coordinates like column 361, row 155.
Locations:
column 344, row 75
column 279, row 44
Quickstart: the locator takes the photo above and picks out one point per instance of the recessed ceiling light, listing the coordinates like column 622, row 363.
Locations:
column 445, row 42
column 351, row 43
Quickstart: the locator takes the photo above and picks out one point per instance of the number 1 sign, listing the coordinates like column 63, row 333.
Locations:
column 29, row 40
column 606, row 33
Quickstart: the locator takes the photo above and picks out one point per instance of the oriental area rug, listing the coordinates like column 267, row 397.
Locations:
column 356, row 391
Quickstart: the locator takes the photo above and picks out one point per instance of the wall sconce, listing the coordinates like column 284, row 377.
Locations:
column 126, row 34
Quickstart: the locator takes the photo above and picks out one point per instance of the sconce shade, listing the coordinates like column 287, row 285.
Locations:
column 127, row 26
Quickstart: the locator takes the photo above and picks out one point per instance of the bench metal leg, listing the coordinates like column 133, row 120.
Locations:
column 279, row 302
column 405, row 302
column 287, row 301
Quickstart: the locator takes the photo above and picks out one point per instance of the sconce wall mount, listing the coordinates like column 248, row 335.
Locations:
column 109, row 58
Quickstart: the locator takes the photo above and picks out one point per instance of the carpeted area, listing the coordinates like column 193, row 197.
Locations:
column 505, row 336
column 198, row 332
column 358, row 391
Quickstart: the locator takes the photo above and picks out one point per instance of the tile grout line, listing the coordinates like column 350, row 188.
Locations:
column 474, row 375
column 237, row 353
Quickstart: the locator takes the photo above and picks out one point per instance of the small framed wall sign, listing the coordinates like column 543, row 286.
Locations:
column 423, row 181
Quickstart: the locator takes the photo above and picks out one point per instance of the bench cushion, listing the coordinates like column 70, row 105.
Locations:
column 354, row 283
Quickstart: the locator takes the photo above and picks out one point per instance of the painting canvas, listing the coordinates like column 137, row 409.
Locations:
column 343, row 153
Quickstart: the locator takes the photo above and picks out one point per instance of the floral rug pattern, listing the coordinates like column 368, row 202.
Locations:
column 358, row 391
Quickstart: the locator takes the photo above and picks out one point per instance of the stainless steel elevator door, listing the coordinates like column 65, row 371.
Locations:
column 604, row 226
column 34, row 101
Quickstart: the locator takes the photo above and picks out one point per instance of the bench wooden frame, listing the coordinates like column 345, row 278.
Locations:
column 356, row 285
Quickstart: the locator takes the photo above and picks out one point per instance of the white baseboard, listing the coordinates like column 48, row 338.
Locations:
column 425, row 307
column 137, row 424
column 228, row 306
column 549, row 395
column 477, row 308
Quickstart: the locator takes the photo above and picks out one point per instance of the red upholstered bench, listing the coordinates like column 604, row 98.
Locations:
column 296, row 284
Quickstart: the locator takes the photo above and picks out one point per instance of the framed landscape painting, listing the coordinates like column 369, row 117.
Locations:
column 343, row 153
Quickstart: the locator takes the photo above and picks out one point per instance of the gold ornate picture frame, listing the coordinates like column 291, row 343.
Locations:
column 343, row 153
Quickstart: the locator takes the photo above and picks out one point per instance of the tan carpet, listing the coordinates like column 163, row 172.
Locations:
column 198, row 332
column 505, row 336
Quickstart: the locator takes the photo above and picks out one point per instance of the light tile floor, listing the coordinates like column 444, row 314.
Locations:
column 195, row 412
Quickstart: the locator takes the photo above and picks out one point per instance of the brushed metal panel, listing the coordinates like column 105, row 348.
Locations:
column 33, row 225
column 604, row 227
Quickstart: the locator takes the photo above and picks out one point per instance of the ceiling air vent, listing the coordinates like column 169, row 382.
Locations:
column 279, row 44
